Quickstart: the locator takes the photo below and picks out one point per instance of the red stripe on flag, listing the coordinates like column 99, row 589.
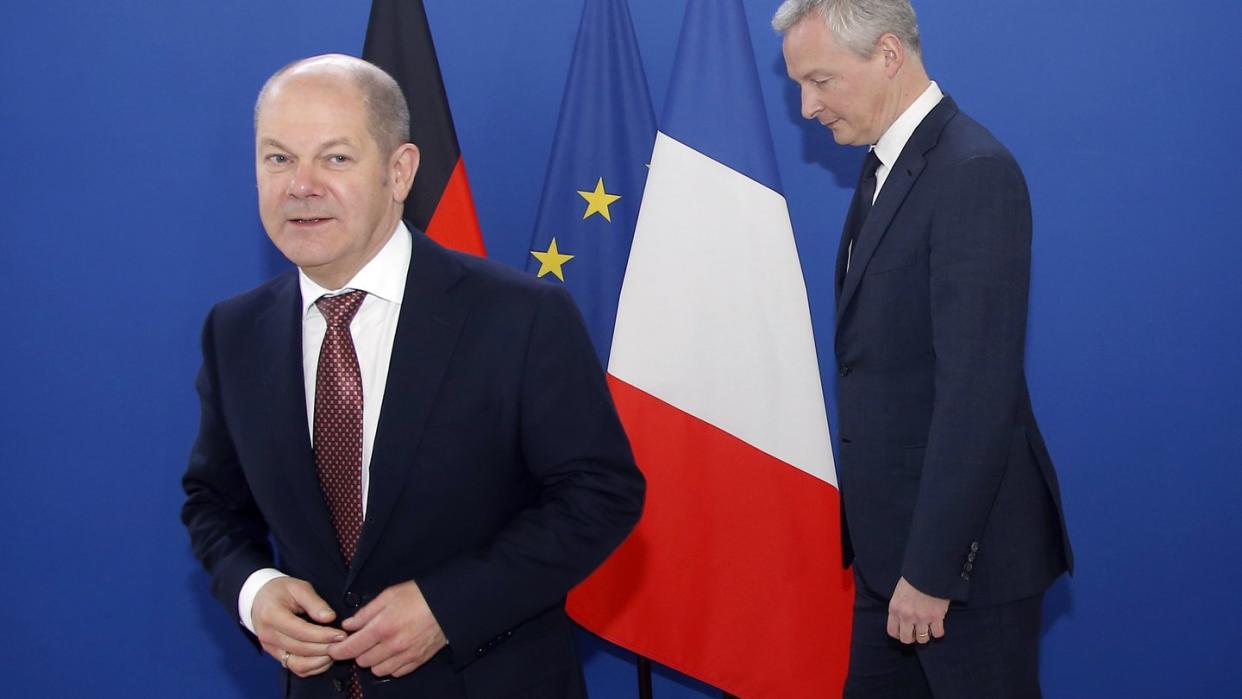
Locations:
column 733, row 575
column 455, row 223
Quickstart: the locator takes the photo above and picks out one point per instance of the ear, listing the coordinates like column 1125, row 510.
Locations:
column 891, row 53
column 402, row 167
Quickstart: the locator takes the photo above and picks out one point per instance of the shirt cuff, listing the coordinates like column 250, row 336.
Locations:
column 245, row 599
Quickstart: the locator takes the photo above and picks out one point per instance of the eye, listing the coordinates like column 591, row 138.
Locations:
column 338, row 159
column 277, row 158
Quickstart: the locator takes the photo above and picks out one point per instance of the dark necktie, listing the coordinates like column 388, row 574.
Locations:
column 864, row 196
column 338, row 420
column 338, row 429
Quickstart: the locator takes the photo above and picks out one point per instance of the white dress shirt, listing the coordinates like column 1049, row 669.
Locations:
column 373, row 329
column 894, row 139
column 890, row 145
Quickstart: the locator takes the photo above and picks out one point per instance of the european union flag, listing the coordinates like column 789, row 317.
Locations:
column 597, row 169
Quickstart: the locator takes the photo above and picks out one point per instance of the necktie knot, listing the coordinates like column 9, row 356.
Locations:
column 866, row 185
column 870, row 164
column 339, row 310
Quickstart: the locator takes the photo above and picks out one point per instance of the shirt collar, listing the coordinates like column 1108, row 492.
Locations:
column 890, row 145
column 384, row 276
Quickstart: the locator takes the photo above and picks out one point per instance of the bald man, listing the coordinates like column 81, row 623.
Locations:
column 406, row 456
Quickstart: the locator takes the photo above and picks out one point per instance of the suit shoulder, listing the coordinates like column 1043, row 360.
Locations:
column 965, row 139
column 262, row 297
column 499, row 282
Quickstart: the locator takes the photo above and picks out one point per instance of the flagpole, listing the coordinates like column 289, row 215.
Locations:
column 644, row 680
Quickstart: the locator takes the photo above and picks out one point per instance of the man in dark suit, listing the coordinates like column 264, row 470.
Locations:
column 426, row 437
column 951, row 505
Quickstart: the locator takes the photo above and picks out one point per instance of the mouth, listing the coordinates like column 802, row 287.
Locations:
column 308, row 221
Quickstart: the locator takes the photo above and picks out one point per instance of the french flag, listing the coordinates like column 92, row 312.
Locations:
column 734, row 574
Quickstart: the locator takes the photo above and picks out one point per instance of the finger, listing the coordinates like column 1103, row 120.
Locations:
column 275, row 624
column 306, row 667
column 937, row 628
column 406, row 669
column 292, row 626
column 894, row 627
column 381, row 653
column 907, row 633
column 298, row 647
column 355, row 645
column 410, row 658
column 309, row 601
column 366, row 614
column 922, row 633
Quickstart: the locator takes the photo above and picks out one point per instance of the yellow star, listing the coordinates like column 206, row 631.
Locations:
column 598, row 201
column 551, row 261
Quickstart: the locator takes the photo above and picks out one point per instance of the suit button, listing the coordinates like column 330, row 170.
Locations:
column 968, row 567
column 974, row 546
column 337, row 684
column 971, row 556
column 965, row 576
column 352, row 599
column 844, row 371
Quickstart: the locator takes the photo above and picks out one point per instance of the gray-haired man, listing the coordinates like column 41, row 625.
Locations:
column 952, row 513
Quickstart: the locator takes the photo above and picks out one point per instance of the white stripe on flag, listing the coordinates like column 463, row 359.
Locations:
column 713, row 317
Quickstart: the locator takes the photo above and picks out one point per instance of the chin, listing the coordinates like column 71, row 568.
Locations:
column 303, row 253
column 850, row 139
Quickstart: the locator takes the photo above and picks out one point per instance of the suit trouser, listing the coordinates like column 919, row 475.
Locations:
column 989, row 652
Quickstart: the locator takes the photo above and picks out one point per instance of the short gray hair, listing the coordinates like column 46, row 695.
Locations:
column 388, row 115
column 857, row 24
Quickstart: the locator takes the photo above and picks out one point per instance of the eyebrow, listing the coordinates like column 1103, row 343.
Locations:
column 342, row 141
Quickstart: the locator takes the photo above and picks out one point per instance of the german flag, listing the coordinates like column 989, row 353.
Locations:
column 399, row 41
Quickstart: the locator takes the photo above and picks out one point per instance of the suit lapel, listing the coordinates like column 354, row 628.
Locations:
column 843, row 247
column 901, row 178
column 430, row 320
column 280, row 352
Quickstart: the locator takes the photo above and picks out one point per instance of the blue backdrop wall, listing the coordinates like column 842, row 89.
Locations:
column 128, row 207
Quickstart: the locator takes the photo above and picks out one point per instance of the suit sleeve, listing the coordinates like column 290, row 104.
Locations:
column 227, row 532
column 591, row 492
column 979, row 276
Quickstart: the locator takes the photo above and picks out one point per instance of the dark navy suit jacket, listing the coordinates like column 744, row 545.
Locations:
column 500, row 474
column 944, row 474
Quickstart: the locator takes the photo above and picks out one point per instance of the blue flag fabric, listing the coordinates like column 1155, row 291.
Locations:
column 597, row 169
column 714, row 102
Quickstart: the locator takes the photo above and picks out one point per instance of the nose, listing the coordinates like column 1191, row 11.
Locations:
column 304, row 183
column 810, row 104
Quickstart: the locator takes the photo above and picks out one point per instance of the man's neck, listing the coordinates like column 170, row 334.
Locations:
column 906, row 90
column 337, row 279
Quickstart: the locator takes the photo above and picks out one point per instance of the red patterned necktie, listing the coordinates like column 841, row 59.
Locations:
column 338, row 428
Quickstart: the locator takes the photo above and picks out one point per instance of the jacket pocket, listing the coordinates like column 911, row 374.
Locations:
column 891, row 262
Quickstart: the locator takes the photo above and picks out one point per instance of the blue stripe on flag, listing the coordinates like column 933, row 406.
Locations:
column 714, row 102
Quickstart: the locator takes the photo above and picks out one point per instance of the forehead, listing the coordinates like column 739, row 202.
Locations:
column 321, row 105
column 810, row 46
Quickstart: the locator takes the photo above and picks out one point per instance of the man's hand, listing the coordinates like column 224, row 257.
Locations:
column 914, row 616
column 280, row 630
column 394, row 634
